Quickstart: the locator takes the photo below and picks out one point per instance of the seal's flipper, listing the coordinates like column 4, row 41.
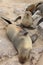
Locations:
column 29, row 27
column 6, row 20
column 34, row 38
column 19, row 17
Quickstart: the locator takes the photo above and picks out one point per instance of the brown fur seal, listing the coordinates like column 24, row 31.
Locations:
column 27, row 19
column 22, row 43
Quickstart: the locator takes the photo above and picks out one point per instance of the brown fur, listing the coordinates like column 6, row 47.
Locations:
column 22, row 43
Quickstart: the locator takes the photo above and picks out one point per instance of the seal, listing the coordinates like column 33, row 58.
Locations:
column 27, row 19
column 21, row 42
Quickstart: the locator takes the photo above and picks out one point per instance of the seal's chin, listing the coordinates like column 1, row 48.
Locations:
column 22, row 59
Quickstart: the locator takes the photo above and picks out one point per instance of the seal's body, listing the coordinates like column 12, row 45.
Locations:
column 22, row 43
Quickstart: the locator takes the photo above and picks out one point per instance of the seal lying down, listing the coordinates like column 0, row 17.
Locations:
column 22, row 43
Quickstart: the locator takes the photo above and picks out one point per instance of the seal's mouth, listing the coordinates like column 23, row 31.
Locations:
column 23, row 55
column 22, row 59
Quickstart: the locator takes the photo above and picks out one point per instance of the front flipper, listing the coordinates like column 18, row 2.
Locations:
column 34, row 38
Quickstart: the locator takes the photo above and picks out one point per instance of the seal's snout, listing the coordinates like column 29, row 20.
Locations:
column 23, row 55
column 22, row 59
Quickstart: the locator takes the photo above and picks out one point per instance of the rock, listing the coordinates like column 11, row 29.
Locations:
column 36, row 18
column 40, row 7
column 40, row 29
column 35, row 55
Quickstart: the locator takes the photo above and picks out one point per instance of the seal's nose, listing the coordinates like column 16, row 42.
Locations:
column 22, row 60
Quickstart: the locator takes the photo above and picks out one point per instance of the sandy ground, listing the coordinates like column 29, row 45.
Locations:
column 7, row 50
column 22, row 1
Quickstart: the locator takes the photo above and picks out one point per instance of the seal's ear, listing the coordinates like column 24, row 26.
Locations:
column 34, row 38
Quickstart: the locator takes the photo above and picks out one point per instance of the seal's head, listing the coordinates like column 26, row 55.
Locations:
column 25, row 49
column 24, row 55
column 27, row 19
